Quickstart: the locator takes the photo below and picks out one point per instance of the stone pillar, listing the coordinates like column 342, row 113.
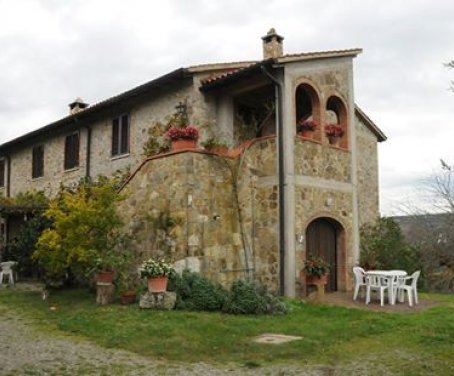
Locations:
column 104, row 293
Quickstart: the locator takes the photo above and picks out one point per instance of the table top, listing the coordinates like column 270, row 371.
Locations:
column 398, row 273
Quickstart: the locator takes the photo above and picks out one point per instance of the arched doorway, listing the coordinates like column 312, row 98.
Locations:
column 322, row 240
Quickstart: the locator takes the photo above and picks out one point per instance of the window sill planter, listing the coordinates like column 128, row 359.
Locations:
column 157, row 284
column 182, row 144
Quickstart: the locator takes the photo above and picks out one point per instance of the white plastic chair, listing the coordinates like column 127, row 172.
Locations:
column 411, row 288
column 359, row 273
column 378, row 283
column 6, row 269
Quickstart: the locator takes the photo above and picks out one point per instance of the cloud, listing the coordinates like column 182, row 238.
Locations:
column 56, row 51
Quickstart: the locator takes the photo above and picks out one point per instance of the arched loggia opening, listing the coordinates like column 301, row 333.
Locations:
column 336, row 113
column 307, row 106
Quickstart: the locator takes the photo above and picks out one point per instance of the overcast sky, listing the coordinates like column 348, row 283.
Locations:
column 53, row 51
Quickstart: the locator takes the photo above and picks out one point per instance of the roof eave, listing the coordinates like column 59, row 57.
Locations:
column 370, row 124
column 97, row 108
column 252, row 69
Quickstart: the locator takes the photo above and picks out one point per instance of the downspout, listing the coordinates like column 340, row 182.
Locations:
column 88, row 152
column 281, row 176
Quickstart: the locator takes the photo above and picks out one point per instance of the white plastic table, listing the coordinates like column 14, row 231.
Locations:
column 392, row 276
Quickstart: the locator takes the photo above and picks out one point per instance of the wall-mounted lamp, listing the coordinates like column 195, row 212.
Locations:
column 329, row 202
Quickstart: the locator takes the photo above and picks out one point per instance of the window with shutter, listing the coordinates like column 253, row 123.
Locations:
column 38, row 162
column 72, row 151
column 120, row 135
column 2, row 172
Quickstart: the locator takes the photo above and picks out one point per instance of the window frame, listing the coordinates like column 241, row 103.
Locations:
column 120, row 136
column 71, row 158
column 38, row 161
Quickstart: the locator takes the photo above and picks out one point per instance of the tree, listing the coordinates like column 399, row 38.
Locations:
column 383, row 246
column 85, row 231
column 430, row 229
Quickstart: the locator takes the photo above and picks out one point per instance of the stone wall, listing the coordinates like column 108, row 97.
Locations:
column 367, row 166
column 54, row 172
column 142, row 117
column 195, row 188
column 315, row 160
column 258, row 196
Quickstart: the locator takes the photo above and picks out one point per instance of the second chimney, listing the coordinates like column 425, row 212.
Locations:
column 272, row 45
column 77, row 106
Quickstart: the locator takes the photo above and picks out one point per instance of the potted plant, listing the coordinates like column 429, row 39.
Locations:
column 334, row 132
column 306, row 127
column 183, row 137
column 215, row 145
column 157, row 273
column 126, row 285
column 106, row 262
column 316, row 270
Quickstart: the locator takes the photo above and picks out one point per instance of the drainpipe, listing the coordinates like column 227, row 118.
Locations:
column 88, row 152
column 281, row 176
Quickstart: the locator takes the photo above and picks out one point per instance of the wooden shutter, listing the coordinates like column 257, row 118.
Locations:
column 124, row 137
column 72, row 151
column 2, row 172
column 38, row 162
column 115, row 136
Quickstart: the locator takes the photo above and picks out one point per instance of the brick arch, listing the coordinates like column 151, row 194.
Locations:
column 337, row 105
column 317, row 226
column 308, row 105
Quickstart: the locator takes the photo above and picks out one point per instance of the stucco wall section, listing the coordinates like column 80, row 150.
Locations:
column 368, row 199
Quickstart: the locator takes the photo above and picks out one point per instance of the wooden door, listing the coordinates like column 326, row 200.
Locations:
column 321, row 238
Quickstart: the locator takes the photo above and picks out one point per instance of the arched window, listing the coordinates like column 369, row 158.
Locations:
column 336, row 114
column 307, row 105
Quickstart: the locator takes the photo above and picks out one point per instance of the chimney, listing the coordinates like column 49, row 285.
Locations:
column 272, row 45
column 77, row 106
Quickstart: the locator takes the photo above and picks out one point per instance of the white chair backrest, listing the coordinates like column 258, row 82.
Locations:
column 7, row 265
column 359, row 274
column 414, row 278
column 376, row 280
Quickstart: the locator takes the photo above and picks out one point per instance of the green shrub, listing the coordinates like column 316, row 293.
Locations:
column 248, row 297
column 197, row 293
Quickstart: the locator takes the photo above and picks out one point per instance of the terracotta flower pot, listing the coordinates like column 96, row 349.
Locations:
column 182, row 144
column 105, row 277
column 307, row 133
column 128, row 297
column 157, row 284
column 314, row 280
column 334, row 140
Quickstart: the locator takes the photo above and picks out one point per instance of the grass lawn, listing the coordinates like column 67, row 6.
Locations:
column 419, row 343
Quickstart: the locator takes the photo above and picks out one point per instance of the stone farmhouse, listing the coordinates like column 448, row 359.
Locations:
column 260, row 210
